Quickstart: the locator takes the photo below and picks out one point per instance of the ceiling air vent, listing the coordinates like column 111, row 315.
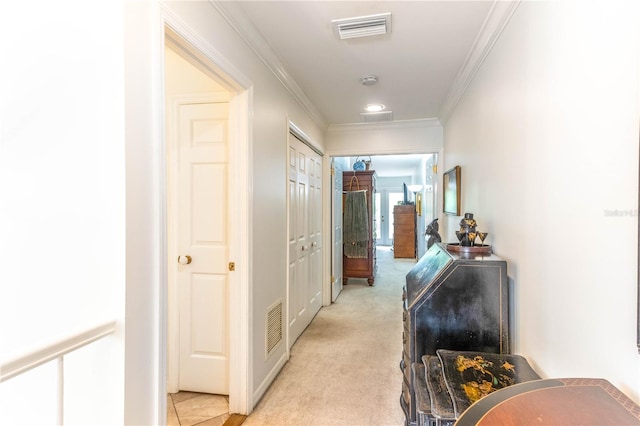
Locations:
column 374, row 117
column 362, row 26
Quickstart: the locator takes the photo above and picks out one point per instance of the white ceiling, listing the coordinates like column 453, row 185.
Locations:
column 416, row 63
column 423, row 64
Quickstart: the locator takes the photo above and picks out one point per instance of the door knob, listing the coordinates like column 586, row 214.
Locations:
column 184, row 260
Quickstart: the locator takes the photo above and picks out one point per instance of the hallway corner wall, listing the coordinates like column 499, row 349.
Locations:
column 547, row 138
column 272, row 109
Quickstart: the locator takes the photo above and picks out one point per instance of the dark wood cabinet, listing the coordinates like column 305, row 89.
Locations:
column 362, row 267
column 404, row 231
column 452, row 302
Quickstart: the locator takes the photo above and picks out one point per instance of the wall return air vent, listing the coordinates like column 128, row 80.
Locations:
column 362, row 26
column 274, row 321
column 374, row 117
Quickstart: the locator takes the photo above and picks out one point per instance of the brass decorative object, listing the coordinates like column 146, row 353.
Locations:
column 468, row 229
column 467, row 237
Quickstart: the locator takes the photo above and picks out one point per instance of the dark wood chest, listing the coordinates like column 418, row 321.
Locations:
column 452, row 302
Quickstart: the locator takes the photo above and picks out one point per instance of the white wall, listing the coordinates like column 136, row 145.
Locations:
column 415, row 136
column 272, row 107
column 183, row 77
column 143, row 130
column 62, row 219
column 547, row 137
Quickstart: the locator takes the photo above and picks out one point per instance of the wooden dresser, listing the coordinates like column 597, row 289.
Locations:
column 404, row 231
column 362, row 267
column 452, row 302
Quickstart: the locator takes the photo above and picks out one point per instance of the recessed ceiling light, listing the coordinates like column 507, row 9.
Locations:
column 374, row 107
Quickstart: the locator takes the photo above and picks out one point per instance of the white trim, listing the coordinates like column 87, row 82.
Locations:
column 56, row 349
column 297, row 132
column 159, row 219
column 492, row 28
column 384, row 151
column 287, row 298
column 398, row 124
column 237, row 19
column 60, row 390
column 327, row 230
column 227, row 72
column 240, row 294
column 327, row 208
column 240, row 201
column 173, row 315
column 268, row 380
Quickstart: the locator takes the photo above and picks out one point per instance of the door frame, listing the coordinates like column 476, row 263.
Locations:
column 328, row 206
column 240, row 199
column 385, row 226
column 335, row 280
column 296, row 131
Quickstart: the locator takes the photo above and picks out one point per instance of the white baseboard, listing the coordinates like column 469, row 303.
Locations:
column 259, row 393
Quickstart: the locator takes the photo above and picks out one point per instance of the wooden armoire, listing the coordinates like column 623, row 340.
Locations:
column 362, row 267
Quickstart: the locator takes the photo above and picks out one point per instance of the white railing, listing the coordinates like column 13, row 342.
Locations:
column 50, row 352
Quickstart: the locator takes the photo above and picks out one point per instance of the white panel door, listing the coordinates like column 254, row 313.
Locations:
column 202, row 273
column 336, row 226
column 305, row 237
column 298, row 238
column 314, row 295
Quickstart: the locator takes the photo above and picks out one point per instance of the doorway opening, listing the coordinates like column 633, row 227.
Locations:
column 215, row 105
column 393, row 172
column 305, row 234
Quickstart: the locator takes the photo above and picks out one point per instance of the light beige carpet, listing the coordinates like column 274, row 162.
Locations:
column 344, row 369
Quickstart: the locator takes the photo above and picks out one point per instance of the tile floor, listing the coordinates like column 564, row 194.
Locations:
column 191, row 408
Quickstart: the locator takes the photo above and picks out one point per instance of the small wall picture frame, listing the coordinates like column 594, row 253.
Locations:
column 451, row 191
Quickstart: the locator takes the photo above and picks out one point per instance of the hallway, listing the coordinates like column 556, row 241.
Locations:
column 344, row 369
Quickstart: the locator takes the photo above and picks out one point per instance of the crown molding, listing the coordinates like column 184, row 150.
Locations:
column 496, row 21
column 238, row 20
column 387, row 125
column 225, row 70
